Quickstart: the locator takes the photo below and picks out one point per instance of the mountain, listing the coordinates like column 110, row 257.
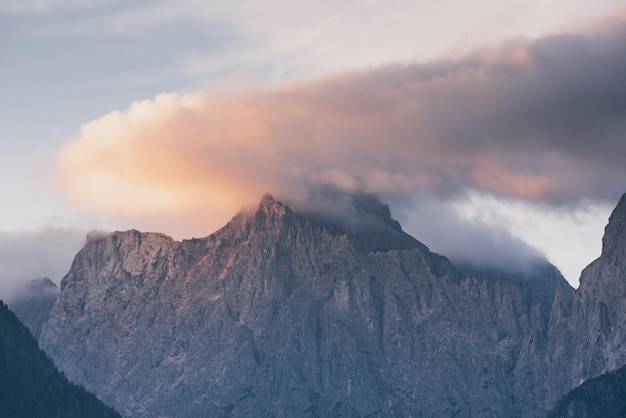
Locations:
column 33, row 302
column 319, row 313
column 31, row 386
column 538, row 282
column 587, row 327
column 601, row 397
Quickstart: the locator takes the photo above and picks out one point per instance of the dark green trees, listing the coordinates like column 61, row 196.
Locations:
column 30, row 384
column 601, row 397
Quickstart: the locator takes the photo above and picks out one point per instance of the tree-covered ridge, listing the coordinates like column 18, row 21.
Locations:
column 30, row 384
column 601, row 397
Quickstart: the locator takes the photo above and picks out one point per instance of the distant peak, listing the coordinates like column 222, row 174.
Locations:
column 370, row 205
column 46, row 282
column 615, row 232
column 353, row 211
column 267, row 200
column 361, row 216
column 38, row 287
column 269, row 207
column 619, row 213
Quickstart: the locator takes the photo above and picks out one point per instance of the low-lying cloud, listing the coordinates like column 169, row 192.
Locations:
column 541, row 121
column 467, row 240
column 34, row 254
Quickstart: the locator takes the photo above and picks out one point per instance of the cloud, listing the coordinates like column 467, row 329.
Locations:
column 33, row 254
column 541, row 121
column 39, row 6
column 508, row 234
column 277, row 40
column 475, row 239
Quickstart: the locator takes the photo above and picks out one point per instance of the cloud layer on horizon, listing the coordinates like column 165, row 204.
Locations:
column 34, row 254
column 541, row 121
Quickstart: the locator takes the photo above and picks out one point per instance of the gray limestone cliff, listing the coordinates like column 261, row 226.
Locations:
column 287, row 314
column 587, row 327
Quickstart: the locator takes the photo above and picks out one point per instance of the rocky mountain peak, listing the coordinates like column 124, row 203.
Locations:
column 330, row 309
column 349, row 211
column 614, row 239
column 267, row 201
column 361, row 216
column 368, row 205
column 43, row 286
column 268, row 215
column 271, row 208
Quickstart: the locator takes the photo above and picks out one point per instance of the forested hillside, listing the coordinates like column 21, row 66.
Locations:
column 30, row 384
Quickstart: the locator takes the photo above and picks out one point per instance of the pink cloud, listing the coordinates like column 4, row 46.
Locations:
column 523, row 120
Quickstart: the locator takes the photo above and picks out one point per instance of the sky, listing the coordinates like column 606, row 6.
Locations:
column 496, row 131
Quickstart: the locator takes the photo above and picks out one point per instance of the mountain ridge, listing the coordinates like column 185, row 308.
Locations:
column 586, row 325
column 276, row 314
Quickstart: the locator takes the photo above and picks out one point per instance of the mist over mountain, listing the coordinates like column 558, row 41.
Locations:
column 538, row 281
column 35, row 253
column 32, row 302
column 333, row 310
column 361, row 216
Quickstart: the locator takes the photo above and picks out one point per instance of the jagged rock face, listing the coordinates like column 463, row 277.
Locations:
column 363, row 219
column 278, row 315
column 587, row 327
column 614, row 240
column 33, row 302
column 538, row 282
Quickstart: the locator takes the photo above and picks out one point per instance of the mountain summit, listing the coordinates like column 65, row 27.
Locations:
column 363, row 218
column 614, row 238
column 587, row 326
column 318, row 313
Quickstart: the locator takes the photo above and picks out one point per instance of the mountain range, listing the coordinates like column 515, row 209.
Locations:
column 294, row 313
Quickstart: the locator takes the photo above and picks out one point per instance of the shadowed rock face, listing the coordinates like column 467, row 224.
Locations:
column 363, row 218
column 538, row 282
column 588, row 326
column 288, row 314
column 614, row 240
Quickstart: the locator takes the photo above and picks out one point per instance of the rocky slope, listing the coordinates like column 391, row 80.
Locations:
column 288, row 314
column 587, row 330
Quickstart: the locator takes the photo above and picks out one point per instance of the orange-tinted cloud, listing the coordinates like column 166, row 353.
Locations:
column 541, row 120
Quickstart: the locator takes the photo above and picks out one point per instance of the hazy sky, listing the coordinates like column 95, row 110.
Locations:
column 495, row 130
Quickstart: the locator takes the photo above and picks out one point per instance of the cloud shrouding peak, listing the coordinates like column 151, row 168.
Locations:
column 541, row 121
column 34, row 254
